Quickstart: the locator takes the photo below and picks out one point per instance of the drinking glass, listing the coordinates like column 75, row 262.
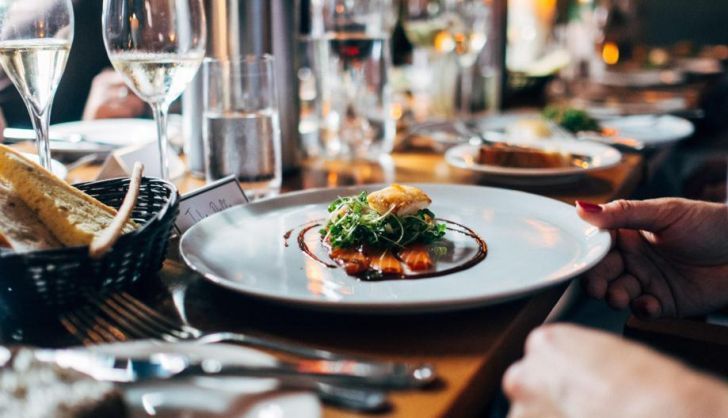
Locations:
column 430, row 77
column 348, row 51
column 157, row 46
column 35, row 40
column 467, row 26
column 241, row 131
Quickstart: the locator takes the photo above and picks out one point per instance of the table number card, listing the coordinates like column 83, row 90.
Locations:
column 215, row 197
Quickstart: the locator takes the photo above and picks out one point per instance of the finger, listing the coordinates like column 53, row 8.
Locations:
column 513, row 381
column 539, row 339
column 623, row 290
column 647, row 306
column 650, row 215
column 597, row 279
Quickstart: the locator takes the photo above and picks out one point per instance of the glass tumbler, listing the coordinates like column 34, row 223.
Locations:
column 241, row 130
column 347, row 106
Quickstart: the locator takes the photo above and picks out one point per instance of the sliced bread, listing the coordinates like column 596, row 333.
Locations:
column 20, row 228
column 72, row 216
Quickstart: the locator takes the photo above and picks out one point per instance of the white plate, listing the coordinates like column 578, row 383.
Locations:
column 56, row 167
column 533, row 242
column 117, row 132
column 603, row 156
column 651, row 130
column 211, row 397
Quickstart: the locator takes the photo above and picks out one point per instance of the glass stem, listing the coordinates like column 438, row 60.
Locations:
column 41, row 124
column 466, row 90
column 160, row 111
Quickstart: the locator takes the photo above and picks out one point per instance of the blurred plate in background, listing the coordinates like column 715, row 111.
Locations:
column 651, row 130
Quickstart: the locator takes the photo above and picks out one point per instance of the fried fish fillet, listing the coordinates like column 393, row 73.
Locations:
column 400, row 199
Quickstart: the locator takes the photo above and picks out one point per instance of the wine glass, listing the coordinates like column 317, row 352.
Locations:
column 157, row 46
column 467, row 25
column 424, row 24
column 35, row 40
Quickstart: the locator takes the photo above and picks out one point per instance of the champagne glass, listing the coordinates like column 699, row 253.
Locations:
column 35, row 40
column 467, row 25
column 423, row 21
column 157, row 46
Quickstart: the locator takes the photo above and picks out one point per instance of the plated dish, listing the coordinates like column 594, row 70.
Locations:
column 117, row 132
column 390, row 234
column 562, row 160
column 651, row 130
column 228, row 249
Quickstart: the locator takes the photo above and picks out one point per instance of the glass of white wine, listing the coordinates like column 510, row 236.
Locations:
column 35, row 40
column 467, row 27
column 157, row 46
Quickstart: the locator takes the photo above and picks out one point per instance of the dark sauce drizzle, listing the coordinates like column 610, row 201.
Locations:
column 462, row 229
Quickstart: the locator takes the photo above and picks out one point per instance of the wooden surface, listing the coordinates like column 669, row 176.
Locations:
column 470, row 349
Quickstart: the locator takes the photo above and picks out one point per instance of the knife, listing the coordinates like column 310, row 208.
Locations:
column 74, row 141
column 169, row 366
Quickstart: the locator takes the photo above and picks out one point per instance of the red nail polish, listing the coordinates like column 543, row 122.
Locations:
column 589, row 207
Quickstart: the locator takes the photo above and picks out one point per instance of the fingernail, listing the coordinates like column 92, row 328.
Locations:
column 589, row 207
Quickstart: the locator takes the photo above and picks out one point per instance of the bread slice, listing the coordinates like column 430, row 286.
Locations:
column 20, row 229
column 72, row 216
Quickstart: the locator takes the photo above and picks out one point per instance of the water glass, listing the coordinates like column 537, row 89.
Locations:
column 346, row 99
column 241, row 130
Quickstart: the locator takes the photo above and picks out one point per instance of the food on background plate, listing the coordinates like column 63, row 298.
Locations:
column 31, row 388
column 529, row 128
column 391, row 233
column 72, row 217
column 517, row 156
column 573, row 120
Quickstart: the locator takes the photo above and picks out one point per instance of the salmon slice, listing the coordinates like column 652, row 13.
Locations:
column 386, row 263
column 416, row 257
column 353, row 261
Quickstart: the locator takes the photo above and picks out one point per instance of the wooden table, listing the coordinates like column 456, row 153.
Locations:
column 470, row 349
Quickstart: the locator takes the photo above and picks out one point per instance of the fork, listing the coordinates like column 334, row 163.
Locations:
column 129, row 317
column 91, row 328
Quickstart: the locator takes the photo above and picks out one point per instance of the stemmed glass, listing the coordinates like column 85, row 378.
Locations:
column 467, row 25
column 424, row 23
column 35, row 40
column 157, row 46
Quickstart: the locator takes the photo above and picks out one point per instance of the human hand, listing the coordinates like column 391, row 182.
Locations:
column 669, row 256
column 570, row 371
column 110, row 98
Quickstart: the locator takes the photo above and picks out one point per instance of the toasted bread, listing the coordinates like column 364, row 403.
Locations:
column 72, row 216
column 20, row 228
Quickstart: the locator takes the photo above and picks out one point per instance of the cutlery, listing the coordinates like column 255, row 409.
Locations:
column 168, row 366
column 15, row 135
column 121, row 316
column 82, row 161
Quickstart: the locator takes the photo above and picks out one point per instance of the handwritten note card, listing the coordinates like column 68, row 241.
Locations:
column 215, row 197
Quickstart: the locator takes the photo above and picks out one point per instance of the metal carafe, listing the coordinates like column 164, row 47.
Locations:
column 237, row 28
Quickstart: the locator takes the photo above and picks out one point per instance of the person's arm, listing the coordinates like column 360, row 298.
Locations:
column 570, row 371
column 111, row 98
column 669, row 256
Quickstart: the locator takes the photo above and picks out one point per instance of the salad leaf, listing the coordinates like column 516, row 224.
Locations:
column 571, row 119
column 354, row 223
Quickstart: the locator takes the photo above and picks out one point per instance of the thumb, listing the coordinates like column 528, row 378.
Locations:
column 652, row 215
